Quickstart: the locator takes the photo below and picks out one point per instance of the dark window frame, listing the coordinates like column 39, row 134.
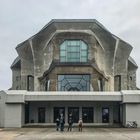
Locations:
column 108, row 119
column 75, row 118
column 84, row 119
column 28, row 82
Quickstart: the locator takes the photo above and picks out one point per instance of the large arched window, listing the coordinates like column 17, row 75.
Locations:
column 73, row 51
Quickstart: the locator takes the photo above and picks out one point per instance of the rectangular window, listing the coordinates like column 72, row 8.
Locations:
column 105, row 115
column 30, row 83
column 73, row 51
column 75, row 113
column 57, row 113
column 100, row 84
column 87, row 114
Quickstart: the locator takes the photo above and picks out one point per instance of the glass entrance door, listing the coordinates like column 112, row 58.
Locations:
column 57, row 112
column 105, row 115
column 41, row 115
column 87, row 114
column 75, row 113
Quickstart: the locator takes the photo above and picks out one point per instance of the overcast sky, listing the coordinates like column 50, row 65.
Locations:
column 20, row 19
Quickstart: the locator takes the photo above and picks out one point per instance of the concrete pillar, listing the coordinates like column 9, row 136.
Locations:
column 66, row 114
column 36, row 84
column 80, row 112
column 111, row 114
column 14, row 115
column 111, row 83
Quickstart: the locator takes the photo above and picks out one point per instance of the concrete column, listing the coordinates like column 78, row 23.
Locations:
column 80, row 112
column 36, row 84
column 111, row 83
column 66, row 115
column 95, row 114
column 123, row 82
column 2, row 108
column 111, row 114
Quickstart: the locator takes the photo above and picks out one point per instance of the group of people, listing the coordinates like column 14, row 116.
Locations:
column 60, row 121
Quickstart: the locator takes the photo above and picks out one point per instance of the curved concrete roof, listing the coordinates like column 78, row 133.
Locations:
column 66, row 21
column 17, row 60
column 133, row 61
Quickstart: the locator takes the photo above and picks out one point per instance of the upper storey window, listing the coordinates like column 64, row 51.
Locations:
column 73, row 51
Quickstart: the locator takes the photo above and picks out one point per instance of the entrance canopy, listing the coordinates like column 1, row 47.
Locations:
column 22, row 96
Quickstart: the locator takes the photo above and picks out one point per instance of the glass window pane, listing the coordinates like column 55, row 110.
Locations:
column 62, row 59
column 84, row 46
column 73, row 82
column 62, row 53
column 63, row 46
column 83, row 53
column 75, row 50
column 87, row 114
column 73, row 55
column 73, row 42
column 84, row 59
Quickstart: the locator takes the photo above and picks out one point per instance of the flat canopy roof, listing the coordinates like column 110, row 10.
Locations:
column 22, row 96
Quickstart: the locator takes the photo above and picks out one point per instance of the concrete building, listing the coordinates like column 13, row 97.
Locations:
column 72, row 66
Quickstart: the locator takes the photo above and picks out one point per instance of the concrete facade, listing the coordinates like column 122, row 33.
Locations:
column 43, row 76
column 123, row 106
column 108, row 57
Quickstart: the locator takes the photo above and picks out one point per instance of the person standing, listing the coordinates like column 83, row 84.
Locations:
column 57, row 124
column 80, row 124
column 70, row 122
column 62, row 122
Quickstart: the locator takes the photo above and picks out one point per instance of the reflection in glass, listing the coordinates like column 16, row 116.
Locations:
column 73, row 51
column 73, row 82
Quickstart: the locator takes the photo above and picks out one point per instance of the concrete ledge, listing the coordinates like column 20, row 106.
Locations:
column 15, row 96
column 73, row 96
column 21, row 96
column 132, row 96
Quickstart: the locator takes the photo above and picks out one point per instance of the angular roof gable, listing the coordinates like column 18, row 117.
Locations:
column 66, row 21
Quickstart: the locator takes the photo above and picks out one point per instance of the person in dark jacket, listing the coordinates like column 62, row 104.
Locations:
column 57, row 124
column 70, row 122
column 62, row 122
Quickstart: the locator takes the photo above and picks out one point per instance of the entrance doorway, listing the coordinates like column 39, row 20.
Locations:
column 105, row 115
column 87, row 114
column 27, row 112
column 41, row 115
column 57, row 112
column 75, row 113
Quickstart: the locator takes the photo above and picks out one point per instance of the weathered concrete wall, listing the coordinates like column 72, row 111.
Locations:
column 131, row 113
column 131, row 80
column 12, row 105
column 94, row 76
column 2, row 108
column 13, row 115
column 16, row 79
column 131, row 76
column 106, row 51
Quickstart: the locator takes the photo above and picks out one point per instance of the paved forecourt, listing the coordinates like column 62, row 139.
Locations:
column 87, row 134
